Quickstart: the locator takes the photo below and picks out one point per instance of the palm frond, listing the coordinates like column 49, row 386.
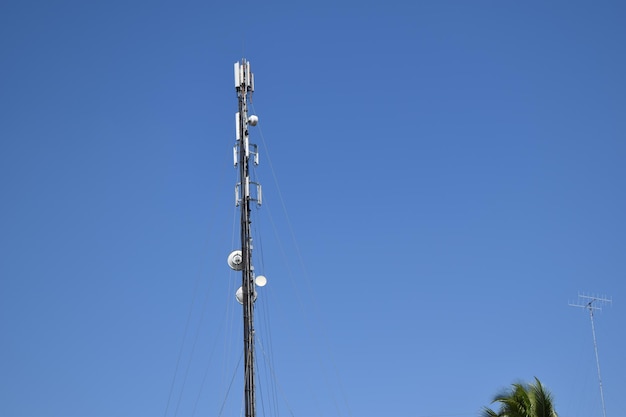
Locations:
column 523, row 400
column 542, row 399
column 488, row 412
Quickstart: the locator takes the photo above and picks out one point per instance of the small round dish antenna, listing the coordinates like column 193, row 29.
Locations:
column 260, row 281
column 253, row 120
column 235, row 260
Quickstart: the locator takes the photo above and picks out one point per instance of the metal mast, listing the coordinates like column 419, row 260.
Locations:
column 588, row 303
column 242, row 260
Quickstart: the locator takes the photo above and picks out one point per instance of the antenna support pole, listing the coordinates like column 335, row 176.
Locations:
column 591, row 304
column 244, row 85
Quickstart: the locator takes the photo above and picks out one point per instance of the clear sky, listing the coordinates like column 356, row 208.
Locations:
column 440, row 179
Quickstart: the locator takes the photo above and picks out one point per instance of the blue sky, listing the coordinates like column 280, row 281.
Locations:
column 440, row 179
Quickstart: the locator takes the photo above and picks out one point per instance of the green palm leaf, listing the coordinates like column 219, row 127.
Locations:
column 523, row 400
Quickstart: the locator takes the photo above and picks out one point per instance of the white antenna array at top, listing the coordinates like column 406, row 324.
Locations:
column 593, row 303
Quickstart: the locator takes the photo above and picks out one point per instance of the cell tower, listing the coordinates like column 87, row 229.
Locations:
column 245, row 153
column 593, row 303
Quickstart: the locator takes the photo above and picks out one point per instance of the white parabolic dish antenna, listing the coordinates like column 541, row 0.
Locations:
column 260, row 281
column 239, row 296
column 235, row 260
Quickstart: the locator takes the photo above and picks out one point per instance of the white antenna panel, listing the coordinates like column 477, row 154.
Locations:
column 235, row 155
column 259, row 195
column 237, row 130
column 252, row 82
column 237, row 78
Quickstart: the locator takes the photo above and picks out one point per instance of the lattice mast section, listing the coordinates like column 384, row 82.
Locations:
column 243, row 150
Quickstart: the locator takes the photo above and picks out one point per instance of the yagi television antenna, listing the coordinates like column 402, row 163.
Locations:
column 593, row 303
